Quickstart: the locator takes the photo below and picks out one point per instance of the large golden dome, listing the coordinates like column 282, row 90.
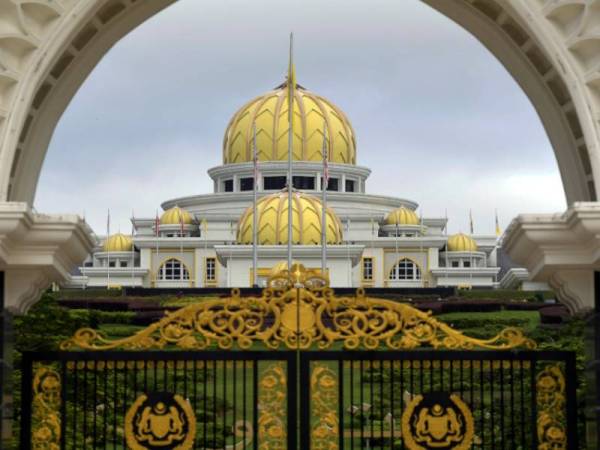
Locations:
column 461, row 243
column 272, row 221
column 269, row 113
column 118, row 243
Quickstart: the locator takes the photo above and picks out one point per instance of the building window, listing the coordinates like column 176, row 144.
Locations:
column 454, row 263
column 173, row 269
column 123, row 264
column 210, row 273
column 88, row 264
column 304, row 182
column 332, row 184
column 274, row 183
column 466, row 263
column 246, row 184
column 367, row 269
column 349, row 185
column 405, row 269
column 111, row 264
column 228, row 185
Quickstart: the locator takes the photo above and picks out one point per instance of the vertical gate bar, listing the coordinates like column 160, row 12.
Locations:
column 215, row 368
column 451, row 373
column 75, row 400
column 421, row 375
column 305, row 405
column 63, row 404
column 95, row 404
column 234, row 398
column 124, row 410
column 115, row 379
column 224, row 403
column 244, row 400
column 362, row 403
column 205, row 410
column 460, row 376
column 155, row 367
column 502, row 429
column 145, row 362
column 471, row 382
column 372, row 408
column 381, row 401
column 512, row 403
column 493, row 404
column 185, row 377
column 254, row 401
column 431, row 363
column 165, row 376
column 26, row 399
column 175, row 376
column 392, row 412
column 571, row 377
column 401, row 390
column 292, row 404
column 532, row 383
column 85, row 389
column 522, row 402
column 482, row 402
column 105, row 401
column 341, row 403
column 441, row 374
column 352, row 403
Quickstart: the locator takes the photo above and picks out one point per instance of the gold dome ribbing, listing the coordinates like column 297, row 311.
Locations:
column 272, row 221
column 269, row 113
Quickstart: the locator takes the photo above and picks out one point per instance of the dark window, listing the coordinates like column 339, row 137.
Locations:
column 333, row 184
column 454, row 263
column 123, row 263
column 210, row 273
column 466, row 263
column 304, row 182
column 246, row 184
column 173, row 270
column 274, row 183
column 88, row 264
column 111, row 264
column 367, row 269
column 228, row 185
column 405, row 270
column 349, row 185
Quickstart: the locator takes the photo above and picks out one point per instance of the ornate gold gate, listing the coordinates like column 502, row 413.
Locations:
column 253, row 372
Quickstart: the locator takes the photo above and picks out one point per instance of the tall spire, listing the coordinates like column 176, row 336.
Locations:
column 291, row 86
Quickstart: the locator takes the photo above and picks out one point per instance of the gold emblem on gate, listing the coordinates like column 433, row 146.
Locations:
column 160, row 421
column 437, row 421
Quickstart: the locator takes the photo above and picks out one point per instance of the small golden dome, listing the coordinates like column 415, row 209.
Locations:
column 173, row 216
column 272, row 221
column 268, row 113
column 118, row 243
column 461, row 243
column 402, row 216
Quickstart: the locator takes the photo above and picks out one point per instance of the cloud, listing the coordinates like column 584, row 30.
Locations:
column 437, row 118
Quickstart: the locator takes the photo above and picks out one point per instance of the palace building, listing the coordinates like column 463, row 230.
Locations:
column 372, row 240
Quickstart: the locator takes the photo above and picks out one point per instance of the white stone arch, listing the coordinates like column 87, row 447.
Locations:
column 48, row 47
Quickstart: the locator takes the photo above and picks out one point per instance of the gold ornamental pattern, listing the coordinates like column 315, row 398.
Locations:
column 298, row 310
column 324, row 404
column 272, row 413
column 46, row 423
column 551, row 402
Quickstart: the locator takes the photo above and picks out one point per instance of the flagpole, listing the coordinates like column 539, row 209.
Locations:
column 324, row 186
column 471, row 253
column 446, row 233
column 421, row 247
column 395, row 267
column 108, row 247
column 254, row 211
column 132, row 247
column 157, row 233
column 291, row 82
column 181, row 232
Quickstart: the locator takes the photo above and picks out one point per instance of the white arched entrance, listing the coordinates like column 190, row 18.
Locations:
column 48, row 48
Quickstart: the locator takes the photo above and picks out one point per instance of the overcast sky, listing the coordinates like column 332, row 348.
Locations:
column 437, row 118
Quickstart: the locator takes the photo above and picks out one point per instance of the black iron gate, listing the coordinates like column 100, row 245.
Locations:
column 347, row 400
column 159, row 400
